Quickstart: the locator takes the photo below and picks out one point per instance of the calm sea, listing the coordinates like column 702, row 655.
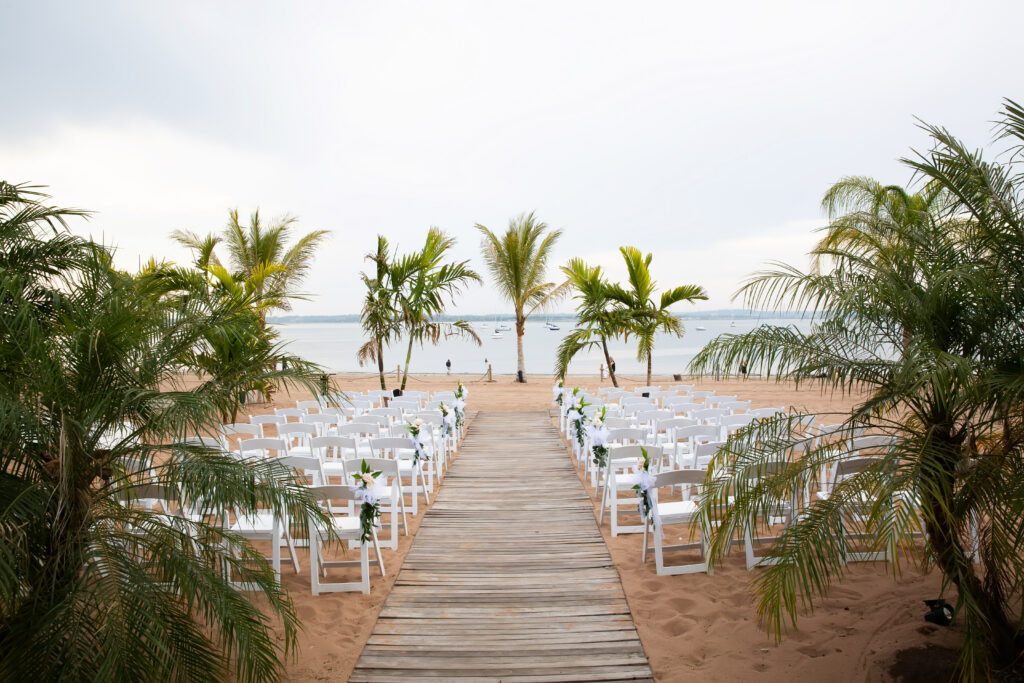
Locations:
column 334, row 345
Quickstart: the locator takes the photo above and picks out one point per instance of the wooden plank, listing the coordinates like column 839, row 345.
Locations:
column 506, row 580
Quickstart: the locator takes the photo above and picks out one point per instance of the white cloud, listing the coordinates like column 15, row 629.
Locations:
column 142, row 179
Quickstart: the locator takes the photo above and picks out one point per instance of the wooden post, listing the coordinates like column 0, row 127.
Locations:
column 602, row 372
column 398, row 374
column 490, row 375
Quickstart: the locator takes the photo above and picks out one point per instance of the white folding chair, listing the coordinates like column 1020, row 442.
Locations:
column 621, row 475
column 296, row 436
column 308, row 406
column 402, row 450
column 346, row 529
column 675, row 512
column 325, row 423
column 392, row 502
column 333, row 451
column 686, row 442
column 239, row 430
column 263, row 420
column 286, row 413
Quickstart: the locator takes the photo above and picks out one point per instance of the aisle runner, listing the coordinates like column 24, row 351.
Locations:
column 508, row 577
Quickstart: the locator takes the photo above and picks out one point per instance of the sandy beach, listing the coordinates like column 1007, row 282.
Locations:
column 690, row 626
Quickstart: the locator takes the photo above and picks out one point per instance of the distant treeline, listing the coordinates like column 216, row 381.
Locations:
column 726, row 313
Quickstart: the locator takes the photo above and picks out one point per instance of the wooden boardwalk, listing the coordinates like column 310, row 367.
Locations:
column 508, row 577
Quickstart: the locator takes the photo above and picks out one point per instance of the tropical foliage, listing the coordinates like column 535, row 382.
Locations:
column 93, row 585
column 260, row 257
column 518, row 263
column 264, row 274
column 919, row 299
column 406, row 295
column 379, row 316
column 641, row 315
column 598, row 320
column 430, row 285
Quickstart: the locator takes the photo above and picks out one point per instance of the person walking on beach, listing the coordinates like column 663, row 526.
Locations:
column 743, row 368
column 448, row 365
column 611, row 364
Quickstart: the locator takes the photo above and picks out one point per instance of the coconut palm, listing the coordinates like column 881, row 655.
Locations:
column 929, row 323
column 94, row 586
column 598, row 318
column 645, row 317
column 424, row 286
column 260, row 255
column 379, row 317
column 518, row 262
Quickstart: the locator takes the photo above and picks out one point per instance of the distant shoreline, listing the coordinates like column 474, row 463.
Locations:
column 719, row 314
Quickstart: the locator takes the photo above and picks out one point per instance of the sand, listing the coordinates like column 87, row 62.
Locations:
column 692, row 626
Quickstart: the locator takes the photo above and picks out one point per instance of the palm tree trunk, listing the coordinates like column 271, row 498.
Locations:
column 955, row 562
column 408, row 356
column 648, row 368
column 520, row 324
column 608, row 361
column 380, row 365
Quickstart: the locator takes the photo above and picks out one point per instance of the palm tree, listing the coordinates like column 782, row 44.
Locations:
column 866, row 217
column 645, row 316
column 429, row 285
column 597, row 316
column 518, row 262
column 929, row 322
column 95, row 587
column 379, row 317
column 260, row 255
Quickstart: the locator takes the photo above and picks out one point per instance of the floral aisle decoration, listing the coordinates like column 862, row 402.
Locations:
column 414, row 428
column 368, row 489
column 643, row 486
column 558, row 390
column 447, row 420
column 460, row 405
column 597, row 433
column 577, row 418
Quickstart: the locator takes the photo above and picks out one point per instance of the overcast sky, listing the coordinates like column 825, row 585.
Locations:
column 703, row 132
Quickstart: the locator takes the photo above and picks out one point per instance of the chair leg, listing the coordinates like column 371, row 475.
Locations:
column 659, row 555
column 604, row 497
column 643, row 552
column 613, row 492
column 376, row 547
column 401, row 502
column 275, row 551
column 426, row 494
column 291, row 546
column 314, row 559
column 364, row 567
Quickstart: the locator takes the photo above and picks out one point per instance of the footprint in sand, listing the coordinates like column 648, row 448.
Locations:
column 811, row 651
column 676, row 626
column 681, row 604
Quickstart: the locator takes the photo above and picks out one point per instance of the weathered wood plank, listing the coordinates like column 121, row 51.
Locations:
column 508, row 577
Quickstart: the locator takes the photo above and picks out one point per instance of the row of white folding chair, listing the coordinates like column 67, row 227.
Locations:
column 625, row 455
column 335, row 456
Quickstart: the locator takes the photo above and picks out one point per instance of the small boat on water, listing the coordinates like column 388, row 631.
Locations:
column 700, row 328
column 552, row 326
column 732, row 323
column 502, row 328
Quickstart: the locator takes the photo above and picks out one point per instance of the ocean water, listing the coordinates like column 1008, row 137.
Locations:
column 334, row 345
